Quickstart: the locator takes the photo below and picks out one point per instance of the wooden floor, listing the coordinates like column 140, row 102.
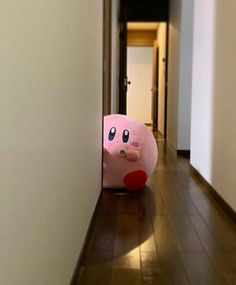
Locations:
column 173, row 232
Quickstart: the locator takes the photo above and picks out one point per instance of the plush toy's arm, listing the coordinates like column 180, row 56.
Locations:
column 132, row 155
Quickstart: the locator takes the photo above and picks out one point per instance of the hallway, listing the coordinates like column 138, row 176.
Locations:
column 173, row 232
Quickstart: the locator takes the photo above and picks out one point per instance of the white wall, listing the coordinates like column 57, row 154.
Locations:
column 139, row 71
column 213, row 135
column 202, row 87
column 180, row 73
column 161, row 42
column 50, row 146
column 115, row 56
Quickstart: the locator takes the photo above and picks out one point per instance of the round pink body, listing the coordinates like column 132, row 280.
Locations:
column 130, row 153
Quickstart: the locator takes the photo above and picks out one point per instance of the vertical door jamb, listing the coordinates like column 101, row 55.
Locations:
column 107, row 57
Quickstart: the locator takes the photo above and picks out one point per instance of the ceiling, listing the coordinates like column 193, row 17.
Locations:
column 142, row 26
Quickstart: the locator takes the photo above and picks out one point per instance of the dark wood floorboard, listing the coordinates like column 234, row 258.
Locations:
column 172, row 232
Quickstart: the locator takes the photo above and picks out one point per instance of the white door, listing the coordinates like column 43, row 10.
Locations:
column 139, row 72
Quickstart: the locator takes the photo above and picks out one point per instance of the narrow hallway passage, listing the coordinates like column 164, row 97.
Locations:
column 173, row 232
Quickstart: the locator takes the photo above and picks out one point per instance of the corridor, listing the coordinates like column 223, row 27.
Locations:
column 173, row 232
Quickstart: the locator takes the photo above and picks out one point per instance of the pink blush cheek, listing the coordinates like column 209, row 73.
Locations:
column 135, row 144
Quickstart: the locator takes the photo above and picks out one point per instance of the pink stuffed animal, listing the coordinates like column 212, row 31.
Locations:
column 130, row 153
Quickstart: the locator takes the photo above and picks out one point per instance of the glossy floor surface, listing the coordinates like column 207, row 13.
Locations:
column 172, row 232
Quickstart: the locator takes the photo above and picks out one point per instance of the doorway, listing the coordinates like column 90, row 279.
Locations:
column 145, row 13
column 146, row 73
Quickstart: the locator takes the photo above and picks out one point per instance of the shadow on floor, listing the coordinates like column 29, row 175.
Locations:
column 121, row 224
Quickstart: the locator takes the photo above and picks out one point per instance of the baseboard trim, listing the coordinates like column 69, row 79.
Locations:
column 223, row 204
column 183, row 152
column 75, row 276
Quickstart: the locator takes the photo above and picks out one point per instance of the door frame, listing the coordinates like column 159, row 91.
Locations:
column 106, row 84
column 123, row 80
column 155, row 88
column 166, row 78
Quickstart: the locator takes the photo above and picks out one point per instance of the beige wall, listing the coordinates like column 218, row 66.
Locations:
column 161, row 42
column 213, row 108
column 140, row 38
column 224, row 119
column 50, row 146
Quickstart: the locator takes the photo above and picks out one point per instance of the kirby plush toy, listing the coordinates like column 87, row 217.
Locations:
column 130, row 153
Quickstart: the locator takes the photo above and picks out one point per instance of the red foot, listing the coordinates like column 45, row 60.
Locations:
column 135, row 180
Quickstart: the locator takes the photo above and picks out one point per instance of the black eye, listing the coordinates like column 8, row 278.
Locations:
column 125, row 136
column 112, row 134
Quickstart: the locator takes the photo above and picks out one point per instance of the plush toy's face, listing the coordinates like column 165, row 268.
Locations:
column 128, row 147
column 122, row 137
